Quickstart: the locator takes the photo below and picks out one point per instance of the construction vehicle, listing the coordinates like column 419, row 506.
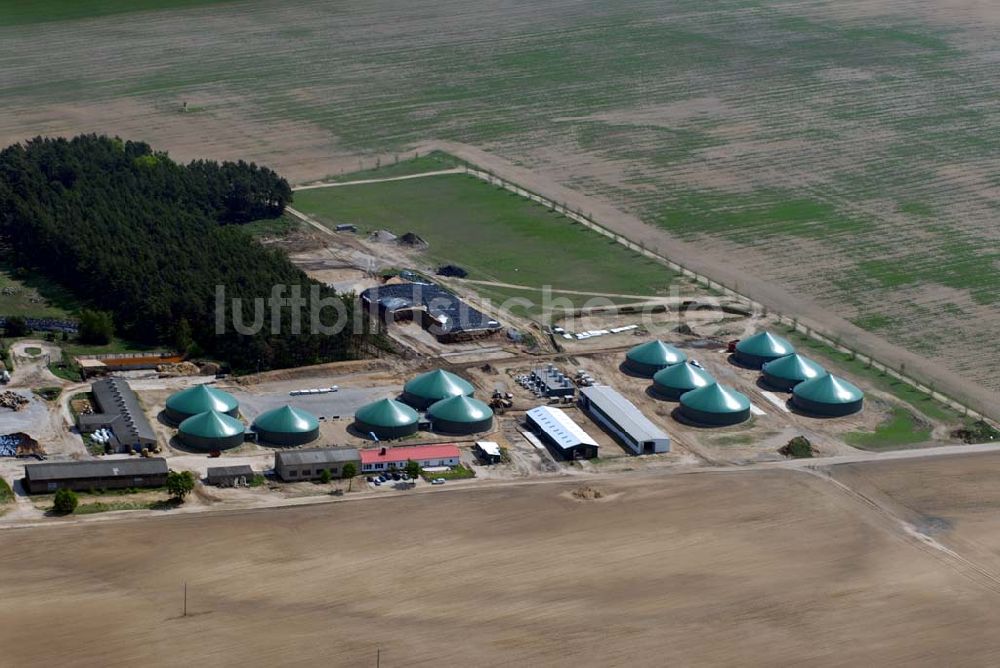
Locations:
column 500, row 402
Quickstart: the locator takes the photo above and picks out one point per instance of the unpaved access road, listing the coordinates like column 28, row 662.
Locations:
column 763, row 568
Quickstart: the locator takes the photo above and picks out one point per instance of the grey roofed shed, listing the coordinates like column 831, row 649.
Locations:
column 317, row 456
column 99, row 474
column 226, row 476
column 96, row 469
column 299, row 465
column 621, row 416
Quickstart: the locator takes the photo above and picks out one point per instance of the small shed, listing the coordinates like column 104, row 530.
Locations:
column 488, row 452
column 230, row 476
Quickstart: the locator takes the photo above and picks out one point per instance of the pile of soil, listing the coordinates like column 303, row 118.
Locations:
column 588, row 493
column 12, row 400
column 178, row 369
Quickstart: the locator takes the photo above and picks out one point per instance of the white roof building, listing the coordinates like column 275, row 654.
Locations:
column 489, row 447
column 562, row 432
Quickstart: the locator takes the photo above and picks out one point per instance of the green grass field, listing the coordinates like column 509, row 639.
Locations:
column 32, row 295
column 492, row 233
column 900, row 430
column 271, row 227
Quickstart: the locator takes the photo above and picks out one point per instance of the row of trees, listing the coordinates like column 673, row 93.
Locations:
column 147, row 242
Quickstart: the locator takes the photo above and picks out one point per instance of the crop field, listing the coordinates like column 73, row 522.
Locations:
column 843, row 151
column 495, row 235
column 754, row 568
column 45, row 11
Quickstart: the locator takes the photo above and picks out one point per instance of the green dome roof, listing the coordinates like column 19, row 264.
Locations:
column 460, row 409
column 794, row 367
column 286, row 420
column 715, row 398
column 200, row 399
column 765, row 344
column 828, row 389
column 387, row 413
column 655, row 353
column 211, row 424
column 683, row 377
column 438, row 384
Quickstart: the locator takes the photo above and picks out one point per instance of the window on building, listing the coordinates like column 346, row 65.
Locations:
column 307, row 472
column 293, row 474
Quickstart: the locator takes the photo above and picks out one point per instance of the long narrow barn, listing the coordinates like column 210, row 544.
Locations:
column 96, row 475
column 626, row 422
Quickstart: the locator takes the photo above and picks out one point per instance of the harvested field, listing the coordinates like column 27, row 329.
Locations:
column 764, row 567
column 844, row 152
column 952, row 499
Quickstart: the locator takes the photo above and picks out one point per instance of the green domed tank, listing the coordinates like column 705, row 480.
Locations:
column 211, row 430
column 715, row 405
column 761, row 348
column 387, row 419
column 647, row 358
column 460, row 415
column 433, row 386
column 828, row 396
column 786, row 372
column 674, row 381
column 199, row 399
column 286, row 426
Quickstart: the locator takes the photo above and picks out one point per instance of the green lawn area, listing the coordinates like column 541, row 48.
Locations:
column 32, row 295
column 493, row 234
column 900, row 430
column 271, row 227
column 22, row 12
column 6, row 493
column 100, row 507
column 459, row 472
column 48, row 393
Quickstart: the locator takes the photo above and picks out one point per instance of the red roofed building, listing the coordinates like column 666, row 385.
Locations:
column 383, row 459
